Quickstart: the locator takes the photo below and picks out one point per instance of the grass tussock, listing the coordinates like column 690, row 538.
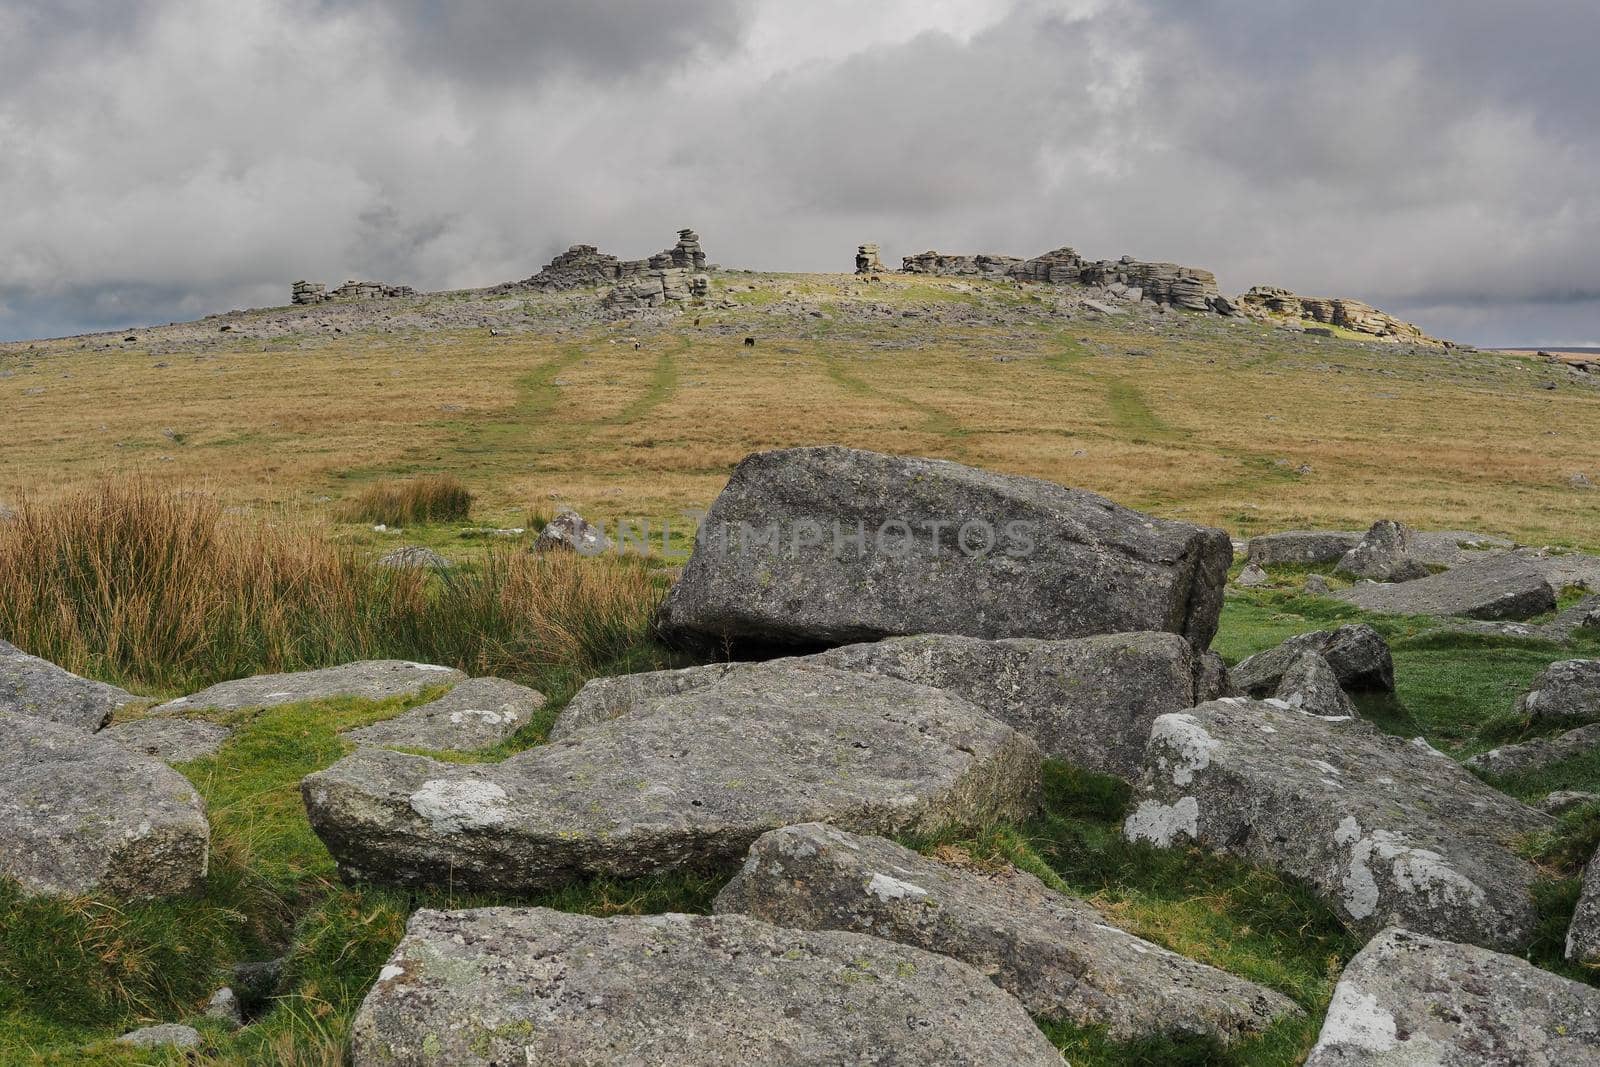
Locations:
column 411, row 502
column 164, row 592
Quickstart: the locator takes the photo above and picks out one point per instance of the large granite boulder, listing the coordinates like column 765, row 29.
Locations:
column 1583, row 934
column 1057, row 955
column 1386, row 831
column 375, row 679
column 1384, row 554
column 475, row 714
column 531, row 985
column 1357, row 654
column 33, row 686
column 82, row 814
column 1566, row 691
column 1088, row 702
column 828, row 546
column 1537, row 754
column 689, row 779
column 169, row 738
column 1499, row 586
column 1408, row 1000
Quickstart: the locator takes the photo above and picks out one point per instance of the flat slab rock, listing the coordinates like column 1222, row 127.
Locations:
column 1386, row 831
column 1407, row 999
column 1568, row 690
column 1305, row 548
column 169, row 738
column 377, row 679
column 531, row 985
column 81, row 814
column 475, row 714
column 1037, row 559
column 1499, row 586
column 1358, row 655
column 1057, row 955
column 685, row 779
column 1088, row 702
column 33, row 686
column 1538, row 753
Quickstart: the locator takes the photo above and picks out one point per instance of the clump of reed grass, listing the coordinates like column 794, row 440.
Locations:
column 411, row 501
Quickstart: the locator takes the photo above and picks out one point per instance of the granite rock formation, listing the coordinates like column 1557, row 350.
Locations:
column 1270, row 302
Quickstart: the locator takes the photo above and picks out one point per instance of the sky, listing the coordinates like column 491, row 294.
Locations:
column 165, row 159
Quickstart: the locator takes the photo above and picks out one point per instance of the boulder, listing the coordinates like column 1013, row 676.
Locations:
column 81, row 814
column 1537, row 754
column 1451, row 548
column 1565, row 800
column 413, row 557
column 1499, row 586
column 681, row 780
column 1384, row 554
column 1408, row 999
column 1310, row 684
column 1565, row 691
column 1057, row 955
column 1385, row 831
column 475, row 714
column 33, row 686
column 1301, row 548
column 1583, row 934
column 571, row 531
column 1252, row 577
column 1358, row 655
column 169, row 738
column 1088, row 702
column 375, row 679
column 166, row 1035
column 531, row 985
column 1316, row 585
column 829, row 546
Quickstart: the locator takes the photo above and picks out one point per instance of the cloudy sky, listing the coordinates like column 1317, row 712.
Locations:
column 163, row 159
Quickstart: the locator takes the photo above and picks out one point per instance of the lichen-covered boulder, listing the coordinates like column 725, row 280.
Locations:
column 33, row 686
column 1303, row 548
column 681, row 780
column 169, row 738
column 475, row 714
column 1358, row 655
column 1057, row 955
column 1537, row 753
column 82, row 814
column 376, row 679
column 1088, row 702
column 1406, row 1000
column 1583, row 934
column 531, row 985
column 1499, row 586
column 829, row 546
column 1567, row 691
column 1386, row 831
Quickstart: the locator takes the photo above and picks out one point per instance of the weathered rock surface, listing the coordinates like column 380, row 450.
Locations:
column 169, row 738
column 1566, row 691
column 413, row 556
column 1088, row 702
column 1538, row 753
column 166, row 1035
column 1305, row 548
column 1057, row 955
column 33, row 686
column 1406, row 1000
column 1267, row 301
column 1564, row 800
column 1358, row 655
column 1451, row 548
column 867, row 261
column 1386, row 831
column 1384, row 554
column 1310, row 684
column 1499, row 586
column 569, row 530
column 375, row 679
column 1583, row 934
column 81, row 814
column 982, row 263
column 938, row 548
column 680, row 780
column 531, row 985
column 475, row 714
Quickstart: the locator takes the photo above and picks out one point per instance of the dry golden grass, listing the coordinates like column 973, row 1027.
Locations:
column 410, row 501
column 1192, row 417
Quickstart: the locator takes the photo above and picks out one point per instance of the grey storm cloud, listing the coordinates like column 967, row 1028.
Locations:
column 161, row 159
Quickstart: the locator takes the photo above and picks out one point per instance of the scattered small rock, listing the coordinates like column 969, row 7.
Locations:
column 413, row 557
column 571, row 531
column 166, row 1035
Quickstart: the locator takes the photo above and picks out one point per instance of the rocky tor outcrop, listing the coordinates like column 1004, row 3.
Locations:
column 1407, row 999
column 33, row 686
column 531, row 985
column 82, row 814
column 681, row 780
column 867, row 261
column 303, row 292
column 829, row 546
column 1057, row 955
column 1273, row 303
column 1385, row 831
